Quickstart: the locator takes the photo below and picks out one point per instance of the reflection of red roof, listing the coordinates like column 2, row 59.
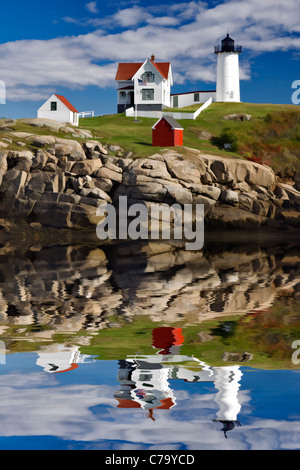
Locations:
column 127, row 70
column 123, row 403
column 73, row 366
column 166, row 404
column 66, row 103
column 165, row 337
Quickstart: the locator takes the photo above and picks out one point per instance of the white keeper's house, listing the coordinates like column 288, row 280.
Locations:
column 59, row 109
column 147, row 86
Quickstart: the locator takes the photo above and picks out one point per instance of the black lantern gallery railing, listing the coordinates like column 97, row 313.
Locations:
column 228, row 48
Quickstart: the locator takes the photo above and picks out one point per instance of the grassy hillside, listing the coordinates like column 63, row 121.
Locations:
column 272, row 136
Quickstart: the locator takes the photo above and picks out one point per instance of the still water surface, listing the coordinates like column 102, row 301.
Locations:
column 147, row 346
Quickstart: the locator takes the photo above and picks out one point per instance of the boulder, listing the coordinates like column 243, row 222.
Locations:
column 149, row 167
column 182, row 169
column 95, row 193
column 210, row 191
column 220, row 170
column 291, row 218
column 149, row 191
column 40, row 160
column 3, row 162
column 292, row 193
column 179, row 194
column 107, row 173
column 260, row 175
column 237, row 117
column 230, row 197
column 87, row 167
column 12, row 183
column 69, row 148
column 41, row 140
column 206, row 201
column 92, row 146
column 204, row 135
column 51, row 124
column 233, row 217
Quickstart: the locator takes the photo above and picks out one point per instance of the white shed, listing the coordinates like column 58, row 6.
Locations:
column 58, row 108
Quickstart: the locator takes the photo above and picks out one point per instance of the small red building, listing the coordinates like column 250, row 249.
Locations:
column 167, row 132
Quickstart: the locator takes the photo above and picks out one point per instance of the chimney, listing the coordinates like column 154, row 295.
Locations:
column 153, row 58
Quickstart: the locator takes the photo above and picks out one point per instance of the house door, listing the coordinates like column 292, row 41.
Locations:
column 131, row 98
column 175, row 101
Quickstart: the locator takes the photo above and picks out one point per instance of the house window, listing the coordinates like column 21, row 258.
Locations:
column 148, row 77
column 122, row 94
column 53, row 106
column 148, row 94
column 196, row 97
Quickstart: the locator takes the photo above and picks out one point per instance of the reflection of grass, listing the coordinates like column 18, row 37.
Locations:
column 267, row 335
column 122, row 341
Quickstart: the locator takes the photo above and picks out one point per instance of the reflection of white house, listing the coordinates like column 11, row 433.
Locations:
column 59, row 358
column 59, row 109
column 146, row 85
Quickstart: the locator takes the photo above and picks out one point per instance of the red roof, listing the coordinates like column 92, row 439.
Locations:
column 191, row 92
column 162, row 67
column 127, row 70
column 67, row 103
column 126, row 88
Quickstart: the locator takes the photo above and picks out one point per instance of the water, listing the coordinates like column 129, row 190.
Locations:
column 150, row 347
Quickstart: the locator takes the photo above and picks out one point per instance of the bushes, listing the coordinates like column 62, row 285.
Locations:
column 227, row 140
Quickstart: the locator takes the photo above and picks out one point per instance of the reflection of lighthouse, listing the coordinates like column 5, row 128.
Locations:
column 227, row 382
column 144, row 380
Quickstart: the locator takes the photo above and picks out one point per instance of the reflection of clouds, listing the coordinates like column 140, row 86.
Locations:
column 88, row 413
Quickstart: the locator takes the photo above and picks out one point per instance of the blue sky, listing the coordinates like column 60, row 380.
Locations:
column 73, row 48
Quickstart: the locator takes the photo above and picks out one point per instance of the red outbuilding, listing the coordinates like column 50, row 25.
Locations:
column 167, row 132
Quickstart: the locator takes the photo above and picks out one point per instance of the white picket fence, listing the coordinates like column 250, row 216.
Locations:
column 176, row 115
column 84, row 114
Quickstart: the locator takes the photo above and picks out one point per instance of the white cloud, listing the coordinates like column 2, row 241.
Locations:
column 92, row 7
column 183, row 34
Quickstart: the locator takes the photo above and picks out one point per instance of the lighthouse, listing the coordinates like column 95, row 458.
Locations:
column 228, row 77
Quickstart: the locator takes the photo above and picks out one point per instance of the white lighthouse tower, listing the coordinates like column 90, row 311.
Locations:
column 228, row 76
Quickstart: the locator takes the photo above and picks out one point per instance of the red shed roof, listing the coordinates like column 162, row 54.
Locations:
column 67, row 103
column 127, row 70
column 171, row 121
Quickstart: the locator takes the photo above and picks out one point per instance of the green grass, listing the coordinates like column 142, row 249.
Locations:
column 272, row 136
column 187, row 109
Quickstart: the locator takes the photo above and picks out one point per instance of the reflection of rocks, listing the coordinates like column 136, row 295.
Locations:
column 70, row 289
column 234, row 357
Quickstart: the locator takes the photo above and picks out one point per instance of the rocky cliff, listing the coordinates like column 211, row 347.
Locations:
column 54, row 182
